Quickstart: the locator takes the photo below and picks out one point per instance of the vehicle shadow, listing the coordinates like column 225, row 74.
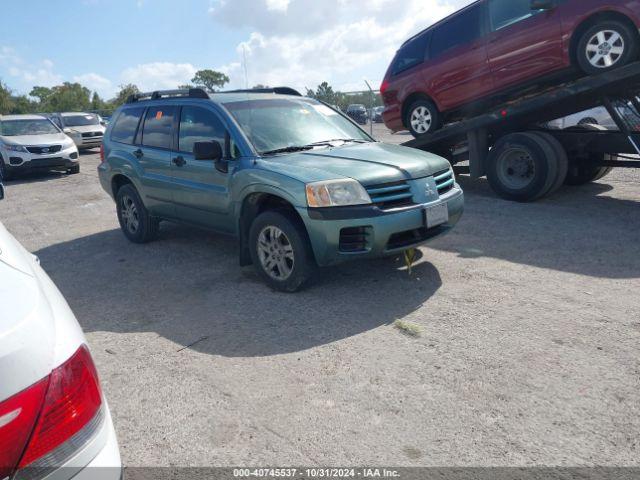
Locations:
column 34, row 177
column 577, row 230
column 188, row 288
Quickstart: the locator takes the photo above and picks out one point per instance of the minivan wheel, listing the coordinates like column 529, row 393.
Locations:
column 280, row 251
column 136, row 223
column 606, row 46
column 422, row 118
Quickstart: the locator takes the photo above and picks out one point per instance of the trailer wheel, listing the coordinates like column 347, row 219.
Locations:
column 581, row 173
column 561, row 157
column 605, row 46
column 423, row 117
column 522, row 167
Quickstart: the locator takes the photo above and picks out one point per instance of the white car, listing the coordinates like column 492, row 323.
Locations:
column 85, row 129
column 54, row 419
column 33, row 142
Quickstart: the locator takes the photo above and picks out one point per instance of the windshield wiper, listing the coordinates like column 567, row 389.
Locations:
column 345, row 140
column 291, row 149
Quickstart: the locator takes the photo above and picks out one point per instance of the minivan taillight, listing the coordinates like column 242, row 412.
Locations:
column 384, row 87
column 40, row 431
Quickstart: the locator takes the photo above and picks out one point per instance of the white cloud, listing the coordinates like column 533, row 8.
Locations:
column 96, row 83
column 304, row 42
column 21, row 72
column 159, row 75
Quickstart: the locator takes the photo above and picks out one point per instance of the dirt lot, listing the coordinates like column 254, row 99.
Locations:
column 528, row 353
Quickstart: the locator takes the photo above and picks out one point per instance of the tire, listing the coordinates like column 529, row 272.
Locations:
column 136, row 223
column 422, row 118
column 595, row 53
column 4, row 173
column 582, row 172
column 561, row 157
column 292, row 263
column 74, row 170
column 587, row 121
column 522, row 167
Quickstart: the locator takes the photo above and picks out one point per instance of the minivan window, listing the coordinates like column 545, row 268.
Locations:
column 199, row 125
column 507, row 12
column 157, row 127
column 412, row 54
column 462, row 29
column 126, row 124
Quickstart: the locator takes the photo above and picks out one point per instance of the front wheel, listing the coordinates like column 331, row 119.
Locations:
column 280, row 251
column 605, row 46
column 423, row 118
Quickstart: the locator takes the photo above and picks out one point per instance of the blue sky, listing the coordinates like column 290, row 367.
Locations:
column 160, row 43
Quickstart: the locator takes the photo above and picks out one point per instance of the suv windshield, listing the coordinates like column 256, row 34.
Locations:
column 280, row 123
column 80, row 120
column 12, row 128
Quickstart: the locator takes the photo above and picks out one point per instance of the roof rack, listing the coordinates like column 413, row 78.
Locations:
column 159, row 94
column 274, row 90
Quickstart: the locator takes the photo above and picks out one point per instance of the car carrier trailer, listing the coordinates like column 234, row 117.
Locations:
column 523, row 160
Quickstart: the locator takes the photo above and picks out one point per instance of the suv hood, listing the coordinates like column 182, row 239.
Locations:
column 48, row 139
column 87, row 128
column 369, row 163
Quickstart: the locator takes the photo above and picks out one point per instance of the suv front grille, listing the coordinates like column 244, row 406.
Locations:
column 354, row 239
column 91, row 134
column 45, row 150
column 391, row 195
column 444, row 181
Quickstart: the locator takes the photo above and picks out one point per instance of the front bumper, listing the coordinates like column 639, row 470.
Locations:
column 25, row 162
column 387, row 233
column 87, row 142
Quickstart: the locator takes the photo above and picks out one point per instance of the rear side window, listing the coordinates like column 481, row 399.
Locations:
column 412, row 54
column 126, row 124
column 158, row 124
column 504, row 13
column 199, row 125
column 462, row 29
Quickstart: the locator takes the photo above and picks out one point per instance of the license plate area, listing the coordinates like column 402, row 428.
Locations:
column 436, row 215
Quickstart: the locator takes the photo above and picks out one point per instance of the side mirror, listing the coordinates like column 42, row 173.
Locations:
column 66, row 130
column 207, row 150
column 1, row 189
column 543, row 4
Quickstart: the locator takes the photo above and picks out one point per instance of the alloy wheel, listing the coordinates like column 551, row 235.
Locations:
column 515, row 168
column 276, row 253
column 421, row 120
column 129, row 214
column 605, row 49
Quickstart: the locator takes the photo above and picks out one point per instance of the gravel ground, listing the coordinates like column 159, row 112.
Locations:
column 528, row 353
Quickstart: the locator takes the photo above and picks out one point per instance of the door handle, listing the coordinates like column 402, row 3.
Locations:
column 179, row 161
column 138, row 154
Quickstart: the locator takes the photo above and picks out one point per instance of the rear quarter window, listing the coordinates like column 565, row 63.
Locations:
column 124, row 129
column 412, row 54
column 158, row 127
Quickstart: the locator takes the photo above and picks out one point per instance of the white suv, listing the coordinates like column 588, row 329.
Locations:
column 33, row 142
column 85, row 129
column 54, row 419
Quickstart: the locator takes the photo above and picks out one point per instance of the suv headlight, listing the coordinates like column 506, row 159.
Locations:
column 336, row 193
column 14, row 148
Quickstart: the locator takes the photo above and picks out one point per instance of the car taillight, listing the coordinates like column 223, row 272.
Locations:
column 17, row 417
column 102, row 153
column 384, row 87
column 71, row 414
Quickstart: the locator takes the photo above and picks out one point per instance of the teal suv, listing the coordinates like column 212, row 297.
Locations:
column 297, row 182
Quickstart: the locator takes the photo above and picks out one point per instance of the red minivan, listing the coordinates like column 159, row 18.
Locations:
column 493, row 48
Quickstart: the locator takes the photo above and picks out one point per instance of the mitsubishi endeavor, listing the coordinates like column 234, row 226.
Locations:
column 297, row 182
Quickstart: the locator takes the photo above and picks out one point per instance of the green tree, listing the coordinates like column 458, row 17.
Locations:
column 325, row 93
column 96, row 102
column 6, row 100
column 22, row 104
column 186, row 86
column 124, row 93
column 210, row 80
column 68, row 97
column 41, row 93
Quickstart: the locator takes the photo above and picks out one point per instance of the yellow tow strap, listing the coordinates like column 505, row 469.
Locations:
column 409, row 258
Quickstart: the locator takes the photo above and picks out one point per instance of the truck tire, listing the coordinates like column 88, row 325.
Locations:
column 582, row 172
column 280, row 251
column 562, row 158
column 422, row 118
column 134, row 218
column 522, row 167
column 607, row 45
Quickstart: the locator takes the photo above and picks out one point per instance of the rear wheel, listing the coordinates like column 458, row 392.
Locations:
column 561, row 158
column 422, row 118
column 280, row 251
column 135, row 221
column 522, row 167
column 607, row 45
column 583, row 172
